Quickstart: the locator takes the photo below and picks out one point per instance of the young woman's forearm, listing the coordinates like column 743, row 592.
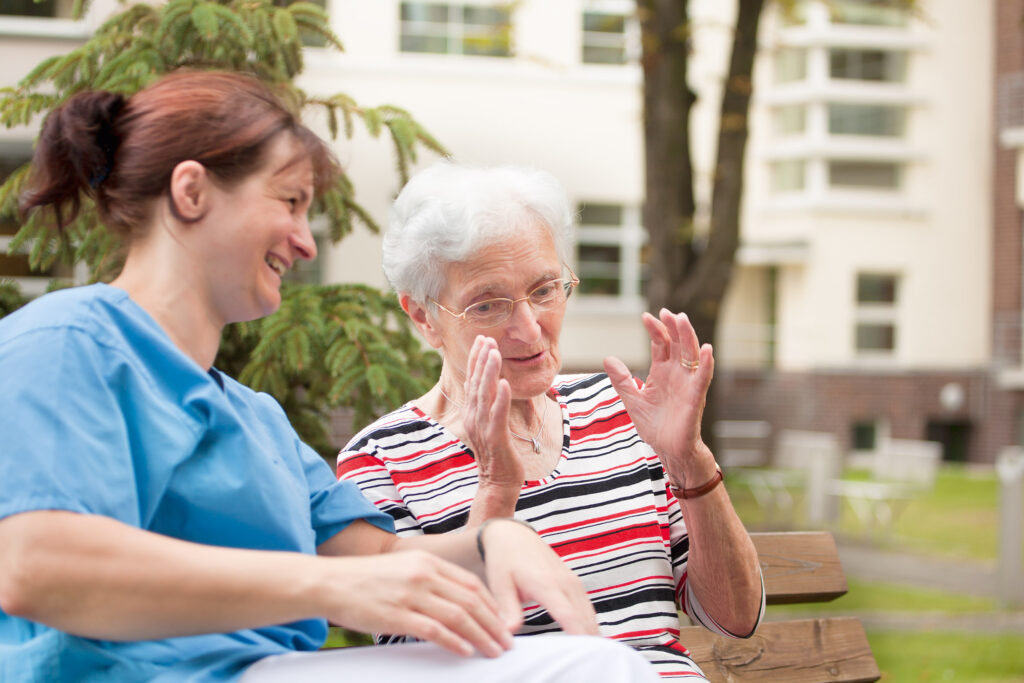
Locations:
column 93, row 576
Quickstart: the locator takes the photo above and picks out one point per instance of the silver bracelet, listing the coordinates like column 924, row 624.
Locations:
column 480, row 532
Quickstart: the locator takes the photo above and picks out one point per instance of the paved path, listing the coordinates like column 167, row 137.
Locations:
column 960, row 576
column 956, row 576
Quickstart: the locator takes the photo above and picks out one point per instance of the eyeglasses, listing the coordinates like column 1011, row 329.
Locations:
column 491, row 312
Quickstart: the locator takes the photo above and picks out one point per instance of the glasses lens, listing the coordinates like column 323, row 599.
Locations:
column 489, row 312
column 548, row 294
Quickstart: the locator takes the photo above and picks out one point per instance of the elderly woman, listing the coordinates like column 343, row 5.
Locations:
column 611, row 471
column 160, row 521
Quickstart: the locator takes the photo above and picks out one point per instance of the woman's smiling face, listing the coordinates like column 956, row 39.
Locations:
column 257, row 230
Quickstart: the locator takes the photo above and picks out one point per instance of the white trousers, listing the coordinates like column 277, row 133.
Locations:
column 537, row 659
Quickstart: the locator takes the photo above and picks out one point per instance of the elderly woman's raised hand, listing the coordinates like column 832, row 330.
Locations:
column 485, row 419
column 667, row 411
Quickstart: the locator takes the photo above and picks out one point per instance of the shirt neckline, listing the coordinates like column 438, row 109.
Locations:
column 563, row 457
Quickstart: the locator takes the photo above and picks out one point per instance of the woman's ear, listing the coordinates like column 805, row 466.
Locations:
column 189, row 191
column 421, row 319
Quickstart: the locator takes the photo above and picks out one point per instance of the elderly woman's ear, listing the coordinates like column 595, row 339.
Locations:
column 421, row 319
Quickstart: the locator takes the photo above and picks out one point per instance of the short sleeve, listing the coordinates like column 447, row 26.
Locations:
column 65, row 412
column 336, row 504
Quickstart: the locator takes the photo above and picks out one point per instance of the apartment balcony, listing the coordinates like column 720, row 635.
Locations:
column 1010, row 109
column 1008, row 349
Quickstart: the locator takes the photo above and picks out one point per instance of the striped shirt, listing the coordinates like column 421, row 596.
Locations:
column 605, row 509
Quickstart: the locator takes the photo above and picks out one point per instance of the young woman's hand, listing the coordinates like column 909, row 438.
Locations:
column 521, row 566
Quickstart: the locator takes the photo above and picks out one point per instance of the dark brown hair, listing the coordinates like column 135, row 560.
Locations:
column 121, row 151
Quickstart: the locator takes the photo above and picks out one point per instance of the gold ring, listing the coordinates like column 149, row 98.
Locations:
column 689, row 364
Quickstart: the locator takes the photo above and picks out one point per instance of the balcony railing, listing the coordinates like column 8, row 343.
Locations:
column 1008, row 340
column 1010, row 103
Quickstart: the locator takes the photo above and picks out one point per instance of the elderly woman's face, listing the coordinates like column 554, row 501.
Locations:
column 528, row 340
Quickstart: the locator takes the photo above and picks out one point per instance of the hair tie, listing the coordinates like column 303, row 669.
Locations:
column 107, row 140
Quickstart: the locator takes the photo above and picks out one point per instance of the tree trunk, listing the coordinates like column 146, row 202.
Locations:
column 669, row 202
column 684, row 278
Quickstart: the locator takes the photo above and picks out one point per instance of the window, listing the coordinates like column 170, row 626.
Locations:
column 876, row 289
column 30, row 8
column 869, row 12
column 864, row 435
column 866, row 175
column 877, row 297
column 868, row 65
column 866, row 119
column 610, row 255
column 790, row 119
column 477, row 30
column 788, row 176
column 790, row 64
column 604, row 38
column 876, row 336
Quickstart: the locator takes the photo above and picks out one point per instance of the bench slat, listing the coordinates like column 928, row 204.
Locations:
column 799, row 566
column 800, row 651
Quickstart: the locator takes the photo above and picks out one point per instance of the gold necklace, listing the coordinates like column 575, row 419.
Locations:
column 533, row 440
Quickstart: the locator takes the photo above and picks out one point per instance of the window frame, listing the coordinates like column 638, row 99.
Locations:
column 629, row 237
column 878, row 313
column 454, row 30
column 630, row 36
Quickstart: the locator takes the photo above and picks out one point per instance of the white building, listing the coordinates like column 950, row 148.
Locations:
column 863, row 291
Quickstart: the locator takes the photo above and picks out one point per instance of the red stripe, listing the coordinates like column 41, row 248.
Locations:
column 595, row 520
column 434, row 470
column 358, row 462
column 644, row 532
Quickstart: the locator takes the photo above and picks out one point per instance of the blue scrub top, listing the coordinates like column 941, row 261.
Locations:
column 100, row 413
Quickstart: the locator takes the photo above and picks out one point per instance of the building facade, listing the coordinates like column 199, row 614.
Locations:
column 875, row 287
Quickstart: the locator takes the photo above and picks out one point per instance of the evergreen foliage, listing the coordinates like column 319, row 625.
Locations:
column 328, row 346
column 11, row 298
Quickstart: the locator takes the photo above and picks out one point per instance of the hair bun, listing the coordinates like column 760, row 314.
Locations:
column 99, row 111
column 74, row 153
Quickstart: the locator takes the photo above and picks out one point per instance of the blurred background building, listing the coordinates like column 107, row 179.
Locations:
column 878, row 291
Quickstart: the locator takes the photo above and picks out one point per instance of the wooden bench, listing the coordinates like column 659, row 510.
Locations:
column 797, row 567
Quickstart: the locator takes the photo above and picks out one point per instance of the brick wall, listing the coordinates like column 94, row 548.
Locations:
column 832, row 402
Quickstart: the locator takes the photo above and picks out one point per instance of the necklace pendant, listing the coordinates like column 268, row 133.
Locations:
column 536, row 445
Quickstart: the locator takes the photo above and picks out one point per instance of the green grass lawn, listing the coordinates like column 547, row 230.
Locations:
column 339, row 637
column 948, row 656
column 866, row 596
column 957, row 518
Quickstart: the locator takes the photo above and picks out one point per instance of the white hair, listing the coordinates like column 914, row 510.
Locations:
column 448, row 212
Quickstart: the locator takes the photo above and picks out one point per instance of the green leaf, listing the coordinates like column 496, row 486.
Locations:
column 284, row 26
column 205, row 20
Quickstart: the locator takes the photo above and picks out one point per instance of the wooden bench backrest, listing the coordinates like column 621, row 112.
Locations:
column 797, row 567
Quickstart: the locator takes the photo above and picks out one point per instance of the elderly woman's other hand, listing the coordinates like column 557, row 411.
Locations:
column 485, row 417
column 520, row 567
column 667, row 411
